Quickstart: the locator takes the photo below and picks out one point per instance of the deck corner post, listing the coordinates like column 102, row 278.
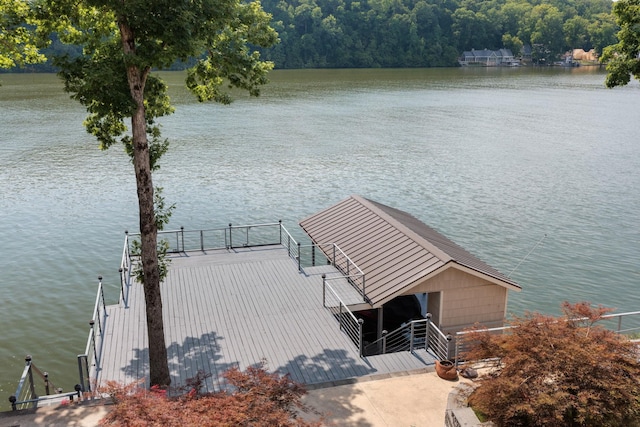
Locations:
column 280, row 230
column 230, row 239
column 182, row 238
column 13, row 400
column 299, row 258
column 104, row 305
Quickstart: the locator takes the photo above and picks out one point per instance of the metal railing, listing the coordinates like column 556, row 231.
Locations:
column 417, row 334
column 30, row 394
column 349, row 324
column 89, row 362
column 330, row 253
column 623, row 323
column 229, row 237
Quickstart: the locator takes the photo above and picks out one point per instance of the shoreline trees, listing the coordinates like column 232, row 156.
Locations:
column 427, row 33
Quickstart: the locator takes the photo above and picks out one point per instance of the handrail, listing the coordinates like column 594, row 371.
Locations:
column 293, row 247
column 416, row 334
column 335, row 256
column 232, row 236
column 91, row 359
column 26, row 395
column 348, row 321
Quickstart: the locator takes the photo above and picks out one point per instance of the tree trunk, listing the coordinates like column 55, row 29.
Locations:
column 158, row 363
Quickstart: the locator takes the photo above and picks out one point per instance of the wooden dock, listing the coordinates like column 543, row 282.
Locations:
column 238, row 307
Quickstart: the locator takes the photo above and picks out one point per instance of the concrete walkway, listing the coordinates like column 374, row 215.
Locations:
column 418, row 400
column 394, row 400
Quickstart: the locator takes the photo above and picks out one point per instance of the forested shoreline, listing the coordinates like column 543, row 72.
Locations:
column 423, row 33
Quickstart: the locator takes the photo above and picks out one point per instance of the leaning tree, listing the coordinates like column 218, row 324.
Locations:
column 123, row 42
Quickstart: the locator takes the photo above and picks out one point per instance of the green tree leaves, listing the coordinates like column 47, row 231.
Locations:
column 623, row 58
column 18, row 44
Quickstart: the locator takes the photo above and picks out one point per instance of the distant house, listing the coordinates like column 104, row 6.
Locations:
column 488, row 58
column 582, row 55
column 400, row 255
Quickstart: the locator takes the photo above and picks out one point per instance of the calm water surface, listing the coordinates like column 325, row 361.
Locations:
column 496, row 159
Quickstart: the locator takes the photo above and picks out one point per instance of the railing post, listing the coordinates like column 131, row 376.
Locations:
column 449, row 338
column 104, row 305
column 299, row 258
column 46, row 383
column 619, row 323
column 280, row 230
column 313, row 255
column 334, row 254
column 230, row 238
column 78, row 389
column 458, row 336
column 428, row 329
column 412, row 336
column 340, row 317
column 289, row 244
column 27, row 360
column 182, row 238
column 95, row 350
column 324, row 290
column 80, row 370
column 202, row 240
column 12, row 400
column 360, row 336
column 384, row 341
column 121, row 271
column 364, row 294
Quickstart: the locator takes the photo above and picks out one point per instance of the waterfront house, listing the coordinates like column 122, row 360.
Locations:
column 488, row 58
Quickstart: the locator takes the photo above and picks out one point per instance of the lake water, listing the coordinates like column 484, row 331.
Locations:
column 496, row 159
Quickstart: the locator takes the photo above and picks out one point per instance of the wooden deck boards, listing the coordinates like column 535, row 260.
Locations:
column 237, row 308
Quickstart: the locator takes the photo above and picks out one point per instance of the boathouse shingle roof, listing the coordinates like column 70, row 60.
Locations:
column 394, row 249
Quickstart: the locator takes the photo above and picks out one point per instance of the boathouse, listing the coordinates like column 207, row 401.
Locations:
column 400, row 255
column 239, row 295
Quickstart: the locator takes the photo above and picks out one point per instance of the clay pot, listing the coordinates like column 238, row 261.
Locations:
column 446, row 370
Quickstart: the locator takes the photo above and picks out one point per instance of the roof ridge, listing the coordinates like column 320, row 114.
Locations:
column 418, row 239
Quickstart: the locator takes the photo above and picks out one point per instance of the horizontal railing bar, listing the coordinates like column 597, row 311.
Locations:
column 49, row 397
column 195, row 230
